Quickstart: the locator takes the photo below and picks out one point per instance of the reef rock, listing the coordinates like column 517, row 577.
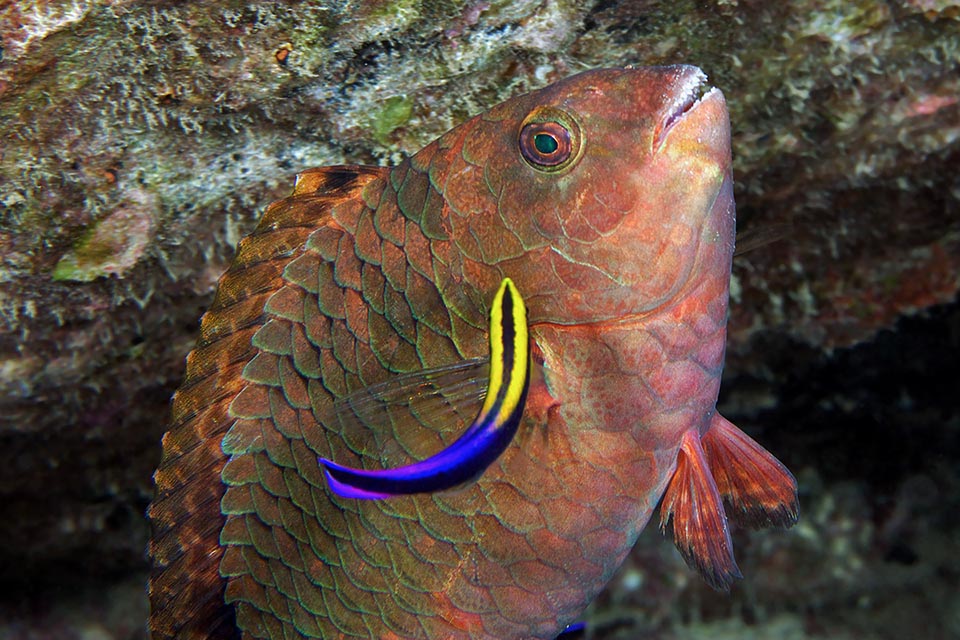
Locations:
column 141, row 140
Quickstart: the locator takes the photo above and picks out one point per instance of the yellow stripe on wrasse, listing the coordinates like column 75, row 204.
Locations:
column 487, row 436
column 509, row 354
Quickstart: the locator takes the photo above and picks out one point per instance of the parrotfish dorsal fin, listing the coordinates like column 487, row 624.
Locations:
column 326, row 180
column 186, row 587
column 756, row 486
column 726, row 465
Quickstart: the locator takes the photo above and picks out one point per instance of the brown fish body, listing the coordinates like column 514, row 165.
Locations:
column 622, row 253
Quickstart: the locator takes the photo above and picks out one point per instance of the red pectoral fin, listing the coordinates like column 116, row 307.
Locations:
column 756, row 486
column 693, row 509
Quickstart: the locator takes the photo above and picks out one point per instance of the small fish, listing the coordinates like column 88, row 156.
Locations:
column 484, row 440
column 349, row 340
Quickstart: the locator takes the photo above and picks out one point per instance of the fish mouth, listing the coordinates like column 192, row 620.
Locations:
column 691, row 91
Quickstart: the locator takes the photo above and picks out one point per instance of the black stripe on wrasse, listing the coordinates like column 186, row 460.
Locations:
column 507, row 338
column 487, row 436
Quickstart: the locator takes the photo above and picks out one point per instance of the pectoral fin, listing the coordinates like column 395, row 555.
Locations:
column 487, row 436
column 418, row 404
column 726, row 466
column 692, row 507
column 759, row 490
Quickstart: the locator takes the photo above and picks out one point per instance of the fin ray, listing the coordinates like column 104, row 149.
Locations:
column 430, row 396
column 759, row 489
column 692, row 508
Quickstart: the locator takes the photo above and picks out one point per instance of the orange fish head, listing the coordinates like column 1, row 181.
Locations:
column 612, row 190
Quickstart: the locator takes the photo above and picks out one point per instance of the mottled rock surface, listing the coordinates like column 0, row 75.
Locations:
column 142, row 139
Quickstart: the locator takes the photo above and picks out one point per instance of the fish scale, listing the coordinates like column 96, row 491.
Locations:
column 623, row 261
column 344, row 552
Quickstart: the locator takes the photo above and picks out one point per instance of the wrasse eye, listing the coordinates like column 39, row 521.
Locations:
column 548, row 140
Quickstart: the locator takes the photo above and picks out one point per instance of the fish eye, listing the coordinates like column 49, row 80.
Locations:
column 548, row 140
column 545, row 144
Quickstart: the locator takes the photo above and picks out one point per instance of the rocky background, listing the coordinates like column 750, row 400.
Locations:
column 141, row 140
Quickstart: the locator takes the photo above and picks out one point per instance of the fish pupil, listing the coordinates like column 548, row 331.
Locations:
column 545, row 143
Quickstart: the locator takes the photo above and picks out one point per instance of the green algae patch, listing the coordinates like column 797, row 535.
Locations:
column 113, row 244
column 395, row 113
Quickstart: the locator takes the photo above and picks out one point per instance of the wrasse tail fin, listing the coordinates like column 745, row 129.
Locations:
column 693, row 509
column 759, row 490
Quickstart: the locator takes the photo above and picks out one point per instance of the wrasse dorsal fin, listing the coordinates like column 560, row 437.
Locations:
column 757, row 488
column 693, row 510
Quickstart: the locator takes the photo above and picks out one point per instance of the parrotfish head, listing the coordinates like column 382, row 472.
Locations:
column 602, row 195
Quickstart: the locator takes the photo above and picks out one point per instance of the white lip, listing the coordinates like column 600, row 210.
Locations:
column 690, row 91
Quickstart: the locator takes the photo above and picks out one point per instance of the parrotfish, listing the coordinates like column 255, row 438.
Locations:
column 364, row 447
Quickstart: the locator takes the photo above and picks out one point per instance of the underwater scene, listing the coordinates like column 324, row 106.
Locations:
column 479, row 319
